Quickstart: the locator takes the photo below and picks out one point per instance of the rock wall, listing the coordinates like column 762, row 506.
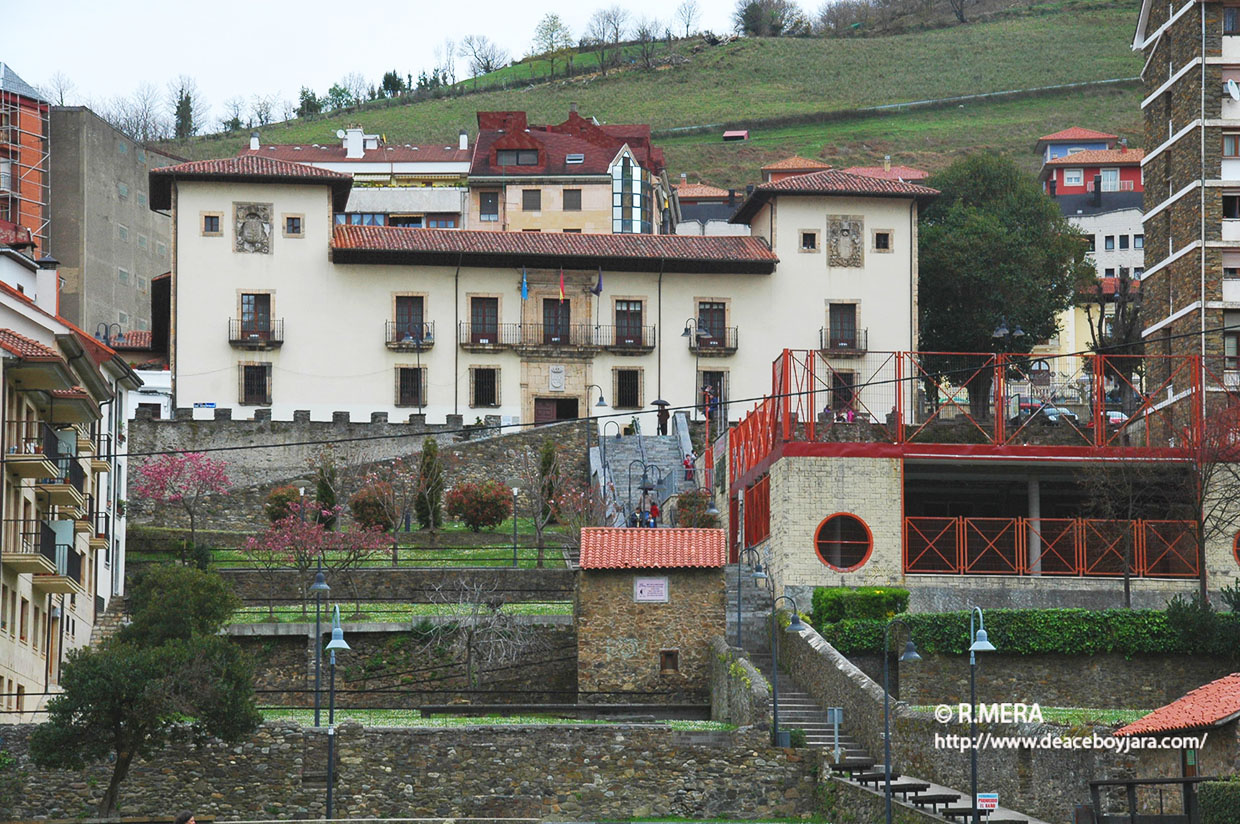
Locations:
column 1140, row 682
column 418, row 586
column 739, row 694
column 614, row 772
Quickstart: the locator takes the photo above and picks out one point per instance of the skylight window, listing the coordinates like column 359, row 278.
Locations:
column 575, row 158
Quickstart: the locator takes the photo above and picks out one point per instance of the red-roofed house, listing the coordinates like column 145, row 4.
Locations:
column 791, row 166
column 649, row 601
column 889, row 172
column 577, row 176
column 422, row 186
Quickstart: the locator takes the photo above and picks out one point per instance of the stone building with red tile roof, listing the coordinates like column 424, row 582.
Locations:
column 648, row 603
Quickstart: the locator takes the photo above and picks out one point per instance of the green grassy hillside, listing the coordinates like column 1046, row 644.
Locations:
column 770, row 84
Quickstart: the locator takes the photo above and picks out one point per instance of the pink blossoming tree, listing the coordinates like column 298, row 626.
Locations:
column 182, row 480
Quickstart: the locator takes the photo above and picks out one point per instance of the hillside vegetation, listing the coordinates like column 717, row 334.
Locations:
column 774, row 85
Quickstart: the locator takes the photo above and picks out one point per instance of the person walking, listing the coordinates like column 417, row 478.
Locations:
column 662, row 417
column 654, row 513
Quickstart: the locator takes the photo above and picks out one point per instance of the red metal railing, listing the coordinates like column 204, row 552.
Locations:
column 1049, row 546
column 758, row 511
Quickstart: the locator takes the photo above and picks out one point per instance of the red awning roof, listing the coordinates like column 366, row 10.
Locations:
column 1207, row 706
column 27, row 349
column 246, row 169
column 613, row 548
column 794, row 164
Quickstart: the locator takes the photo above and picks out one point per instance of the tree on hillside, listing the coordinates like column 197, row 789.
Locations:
column 58, row 89
column 687, row 14
column 308, row 102
column 551, row 39
column 958, row 7
column 356, row 83
column 604, row 33
column 994, row 253
column 188, row 111
column 126, row 699
column 261, row 107
column 338, row 97
column 769, row 18
column 139, row 115
column 485, row 55
column 234, row 108
column 646, row 32
column 445, row 61
column 182, row 480
column 392, row 85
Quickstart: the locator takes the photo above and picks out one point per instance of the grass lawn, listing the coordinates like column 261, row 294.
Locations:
column 390, row 612
column 758, row 79
column 1077, row 716
column 413, row 718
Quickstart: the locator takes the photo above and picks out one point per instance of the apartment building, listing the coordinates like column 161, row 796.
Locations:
column 62, row 397
column 276, row 308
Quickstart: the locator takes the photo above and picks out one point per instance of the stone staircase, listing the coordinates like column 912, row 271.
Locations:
column 109, row 623
column 799, row 710
column 661, row 450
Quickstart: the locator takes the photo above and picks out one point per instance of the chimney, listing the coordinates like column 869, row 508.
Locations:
column 1097, row 198
column 886, row 163
column 684, row 177
column 731, row 197
column 1123, row 144
column 353, row 146
column 749, row 190
column 462, row 140
column 572, row 107
column 47, row 285
column 253, row 141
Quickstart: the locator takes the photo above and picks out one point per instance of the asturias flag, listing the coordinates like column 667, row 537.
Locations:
column 525, row 287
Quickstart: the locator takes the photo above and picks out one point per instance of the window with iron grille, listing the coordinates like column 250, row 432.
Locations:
column 484, row 386
column 410, row 386
column 256, row 384
column 628, row 389
column 531, row 200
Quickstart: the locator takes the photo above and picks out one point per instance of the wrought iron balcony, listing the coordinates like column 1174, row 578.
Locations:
column 487, row 337
column 406, row 336
column 706, row 341
column 625, row 339
column 29, row 546
column 842, row 341
column 248, row 334
column 32, row 449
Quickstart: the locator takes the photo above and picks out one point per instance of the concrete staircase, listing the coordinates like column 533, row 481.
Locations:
column 662, row 451
column 109, row 623
column 799, row 710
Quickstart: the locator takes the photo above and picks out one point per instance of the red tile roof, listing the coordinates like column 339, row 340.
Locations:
column 832, row 183
column 76, row 393
column 27, row 349
column 612, row 548
column 245, row 169
column 699, row 191
column 1075, row 133
column 598, row 145
column 795, row 163
column 1098, row 157
column 133, row 339
column 893, row 173
column 400, row 153
column 625, row 252
column 1207, row 706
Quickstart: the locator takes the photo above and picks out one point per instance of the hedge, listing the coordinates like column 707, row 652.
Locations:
column 833, row 604
column 1053, row 632
column 1219, row 801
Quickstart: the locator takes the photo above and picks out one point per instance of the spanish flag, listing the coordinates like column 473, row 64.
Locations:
column 561, row 285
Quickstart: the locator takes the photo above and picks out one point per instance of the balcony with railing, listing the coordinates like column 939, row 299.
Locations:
column 527, row 336
column 101, row 460
column 622, row 340
column 707, row 341
column 32, row 449
column 67, row 577
column 101, row 532
column 407, row 336
column 264, row 334
column 29, row 546
column 67, row 488
column 842, row 342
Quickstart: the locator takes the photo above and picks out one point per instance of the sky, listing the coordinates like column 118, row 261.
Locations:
column 242, row 49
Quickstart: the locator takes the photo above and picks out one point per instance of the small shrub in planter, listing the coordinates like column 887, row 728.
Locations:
column 279, row 502
column 370, row 509
column 479, row 505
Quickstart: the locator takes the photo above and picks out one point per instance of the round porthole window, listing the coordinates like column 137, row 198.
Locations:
column 843, row 542
column 1235, row 547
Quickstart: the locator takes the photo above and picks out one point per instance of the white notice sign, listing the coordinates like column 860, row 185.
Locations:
column 650, row 590
column 988, row 801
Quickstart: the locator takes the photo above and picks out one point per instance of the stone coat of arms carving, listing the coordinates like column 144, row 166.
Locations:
column 845, row 240
column 253, row 222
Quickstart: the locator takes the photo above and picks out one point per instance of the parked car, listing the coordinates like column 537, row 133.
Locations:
column 1114, row 419
column 1044, row 413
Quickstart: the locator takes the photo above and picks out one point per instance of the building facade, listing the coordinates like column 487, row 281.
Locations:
column 24, row 134
column 109, row 242
column 529, row 327
column 61, row 512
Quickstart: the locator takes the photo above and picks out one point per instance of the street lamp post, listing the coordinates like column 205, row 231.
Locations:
column 337, row 642
column 978, row 642
column 319, row 588
column 758, row 576
column 515, row 492
column 590, row 424
column 644, row 485
column 909, row 656
column 794, row 625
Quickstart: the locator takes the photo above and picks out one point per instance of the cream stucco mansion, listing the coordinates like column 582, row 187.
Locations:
column 275, row 307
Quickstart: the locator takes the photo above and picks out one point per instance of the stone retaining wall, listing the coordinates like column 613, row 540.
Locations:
column 612, row 772
column 1045, row 783
column 739, row 694
column 415, row 586
column 1140, row 682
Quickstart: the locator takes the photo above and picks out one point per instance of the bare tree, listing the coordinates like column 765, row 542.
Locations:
column 646, row 33
column 578, row 507
column 188, row 109
column 687, row 13
column 539, row 479
column 958, row 7
column 58, row 89
column 598, row 36
column 485, row 55
column 234, row 107
column 139, row 115
column 445, row 60
column 491, row 635
column 260, row 109
column 357, row 86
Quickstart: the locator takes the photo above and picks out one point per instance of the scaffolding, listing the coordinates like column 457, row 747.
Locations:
column 25, row 150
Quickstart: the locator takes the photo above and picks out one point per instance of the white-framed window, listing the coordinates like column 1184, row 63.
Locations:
column 1073, row 177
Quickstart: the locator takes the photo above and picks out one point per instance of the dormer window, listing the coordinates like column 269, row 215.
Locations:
column 516, row 157
column 575, row 158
